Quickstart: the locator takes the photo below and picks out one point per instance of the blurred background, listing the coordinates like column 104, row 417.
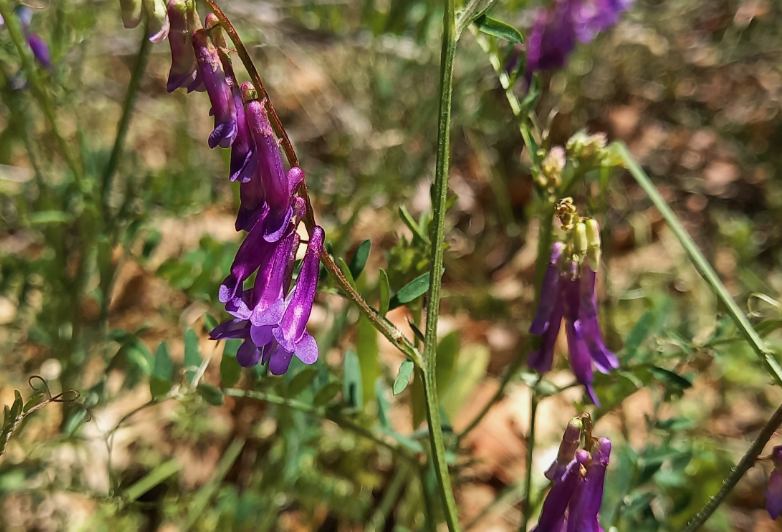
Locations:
column 90, row 291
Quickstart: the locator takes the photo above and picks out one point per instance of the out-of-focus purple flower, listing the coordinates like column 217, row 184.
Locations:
column 604, row 359
column 292, row 334
column 585, row 505
column 244, row 158
column 159, row 24
column 37, row 45
column 278, row 186
column 774, row 488
column 580, row 361
column 184, row 21
column 552, row 515
column 555, row 30
column 213, row 76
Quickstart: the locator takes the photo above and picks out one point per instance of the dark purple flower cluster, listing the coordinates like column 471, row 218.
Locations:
column 37, row 45
column 569, row 293
column 774, row 489
column 574, row 501
column 556, row 30
column 270, row 317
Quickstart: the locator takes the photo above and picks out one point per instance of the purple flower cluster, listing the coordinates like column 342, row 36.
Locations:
column 569, row 293
column 574, row 501
column 774, row 489
column 37, row 45
column 556, row 30
column 270, row 318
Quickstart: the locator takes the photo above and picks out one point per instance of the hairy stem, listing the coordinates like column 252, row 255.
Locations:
column 747, row 461
column 385, row 327
column 439, row 197
column 702, row 265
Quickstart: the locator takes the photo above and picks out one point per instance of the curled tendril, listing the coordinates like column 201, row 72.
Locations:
column 39, row 385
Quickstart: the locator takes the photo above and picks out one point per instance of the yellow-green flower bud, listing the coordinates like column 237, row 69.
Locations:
column 593, row 243
column 579, row 239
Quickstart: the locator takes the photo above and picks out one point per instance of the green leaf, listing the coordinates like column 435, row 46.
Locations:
column 499, row 29
column 192, row 353
column 18, row 405
column 385, row 292
column 211, row 394
column 162, row 372
column 410, row 222
column 35, row 400
column 155, row 477
column 359, row 260
column 346, row 272
column 209, row 322
column 366, row 349
column 301, row 381
column 403, row 377
column 230, row 370
column 383, row 404
column 327, row 393
column 447, row 355
column 416, row 331
column 638, row 334
column 232, row 346
column 352, row 389
column 411, row 291
column 669, row 377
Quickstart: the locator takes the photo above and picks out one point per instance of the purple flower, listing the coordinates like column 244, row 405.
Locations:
column 211, row 71
column 278, row 186
column 571, row 295
column 585, row 505
column 555, row 30
column 248, row 353
column 552, row 515
column 567, row 449
column 774, row 489
column 244, row 158
column 159, row 24
column 37, row 45
column 184, row 21
column 292, row 334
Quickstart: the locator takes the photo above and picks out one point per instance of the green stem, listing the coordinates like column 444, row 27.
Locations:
column 137, row 74
column 471, row 11
column 702, row 265
column 439, row 197
column 325, row 414
column 37, row 87
column 527, row 503
column 747, row 461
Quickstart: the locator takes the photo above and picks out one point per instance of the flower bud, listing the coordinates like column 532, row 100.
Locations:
column 593, row 243
column 184, row 21
column 551, row 168
column 131, row 12
column 158, row 20
column 579, row 239
column 212, row 23
column 567, row 449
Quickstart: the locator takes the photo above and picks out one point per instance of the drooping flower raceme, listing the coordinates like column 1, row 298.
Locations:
column 556, row 30
column 576, row 494
column 569, row 292
column 774, row 488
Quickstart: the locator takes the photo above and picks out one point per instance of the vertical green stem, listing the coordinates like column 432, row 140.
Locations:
column 136, row 76
column 527, row 503
column 439, row 196
column 702, row 265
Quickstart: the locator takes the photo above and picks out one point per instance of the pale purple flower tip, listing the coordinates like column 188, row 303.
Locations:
column 552, row 515
column 586, row 502
column 548, row 291
column 604, row 359
column 244, row 159
column 213, row 76
column 292, row 333
column 184, row 21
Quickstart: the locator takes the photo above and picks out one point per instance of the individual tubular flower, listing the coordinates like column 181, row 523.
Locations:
column 774, row 488
column 567, row 449
column 278, row 186
column 184, row 21
column 552, row 515
column 244, row 158
column 159, row 24
column 292, row 334
column 213, row 76
column 585, row 505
